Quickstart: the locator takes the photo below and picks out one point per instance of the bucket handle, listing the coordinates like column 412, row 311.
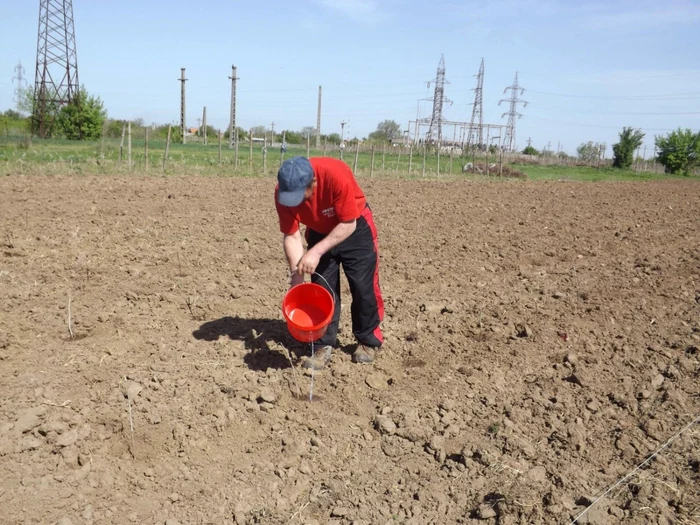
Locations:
column 329, row 286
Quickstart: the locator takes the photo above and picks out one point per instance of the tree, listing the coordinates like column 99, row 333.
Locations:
column 25, row 100
column 161, row 132
column 308, row 131
column 13, row 121
column 588, row 151
column 242, row 134
column 623, row 151
column 679, row 151
column 333, row 138
column 83, row 118
column 530, row 150
column 259, row 131
column 386, row 130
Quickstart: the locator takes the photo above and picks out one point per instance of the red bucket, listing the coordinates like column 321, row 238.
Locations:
column 308, row 309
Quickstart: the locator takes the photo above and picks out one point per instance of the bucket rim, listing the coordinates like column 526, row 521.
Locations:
column 315, row 327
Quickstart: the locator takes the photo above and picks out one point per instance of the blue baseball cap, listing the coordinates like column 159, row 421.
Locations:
column 294, row 176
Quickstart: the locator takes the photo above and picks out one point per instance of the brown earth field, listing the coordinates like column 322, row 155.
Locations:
column 541, row 341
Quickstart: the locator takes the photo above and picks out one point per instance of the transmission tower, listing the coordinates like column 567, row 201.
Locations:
column 56, row 80
column 476, row 133
column 516, row 90
column 21, row 83
column 435, row 129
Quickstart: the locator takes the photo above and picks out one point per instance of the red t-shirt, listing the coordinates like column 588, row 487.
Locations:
column 336, row 198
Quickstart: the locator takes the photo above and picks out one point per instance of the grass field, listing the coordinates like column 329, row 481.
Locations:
column 19, row 155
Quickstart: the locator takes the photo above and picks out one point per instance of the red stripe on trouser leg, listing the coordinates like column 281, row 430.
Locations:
column 367, row 214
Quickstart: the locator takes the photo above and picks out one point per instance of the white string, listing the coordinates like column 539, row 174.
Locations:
column 658, row 451
column 313, row 373
column 329, row 286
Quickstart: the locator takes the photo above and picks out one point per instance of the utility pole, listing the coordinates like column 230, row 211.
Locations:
column 342, row 131
column 272, row 137
column 318, row 120
column 183, row 129
column 56, row 80
column 232, row 131
column 513, row 112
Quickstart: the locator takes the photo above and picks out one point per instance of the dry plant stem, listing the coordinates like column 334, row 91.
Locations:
column 298, row 512
column 131, row 425
column 70, row 328
column 294, row 372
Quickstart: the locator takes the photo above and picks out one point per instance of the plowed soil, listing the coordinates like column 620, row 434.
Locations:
column 541, row 342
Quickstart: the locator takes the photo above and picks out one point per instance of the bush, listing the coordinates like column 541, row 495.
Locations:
column 679, row 151
column 623, row 151
column 83, row 118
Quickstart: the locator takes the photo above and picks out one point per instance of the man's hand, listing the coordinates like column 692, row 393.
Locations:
column 308, row 263
column 297, row 278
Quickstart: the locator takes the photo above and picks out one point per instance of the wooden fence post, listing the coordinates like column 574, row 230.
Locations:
column 121, row 144
column 167, row 147
column 357, row 154
column 129, row 147
column 250, row 158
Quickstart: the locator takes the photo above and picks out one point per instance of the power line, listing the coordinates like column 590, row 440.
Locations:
column 632, row 113
column 617, row 97
column 617, row 77
column 600, row 126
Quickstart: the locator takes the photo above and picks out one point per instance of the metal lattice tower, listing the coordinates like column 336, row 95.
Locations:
column 21, row 83
column 476, row 133
column 516, row 90
column 435, row 129
column 56, row 80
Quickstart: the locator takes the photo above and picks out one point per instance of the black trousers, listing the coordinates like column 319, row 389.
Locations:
column 359, row 257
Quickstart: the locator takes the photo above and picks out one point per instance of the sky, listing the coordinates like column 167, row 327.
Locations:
column 588, row 67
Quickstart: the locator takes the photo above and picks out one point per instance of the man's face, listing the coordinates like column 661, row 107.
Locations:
column 310, row 190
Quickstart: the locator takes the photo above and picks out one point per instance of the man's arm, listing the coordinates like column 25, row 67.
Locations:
column 342, row 231
column 294, row 251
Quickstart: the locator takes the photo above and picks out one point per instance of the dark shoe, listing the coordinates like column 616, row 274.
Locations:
column 364, row 354
column 321, row 357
